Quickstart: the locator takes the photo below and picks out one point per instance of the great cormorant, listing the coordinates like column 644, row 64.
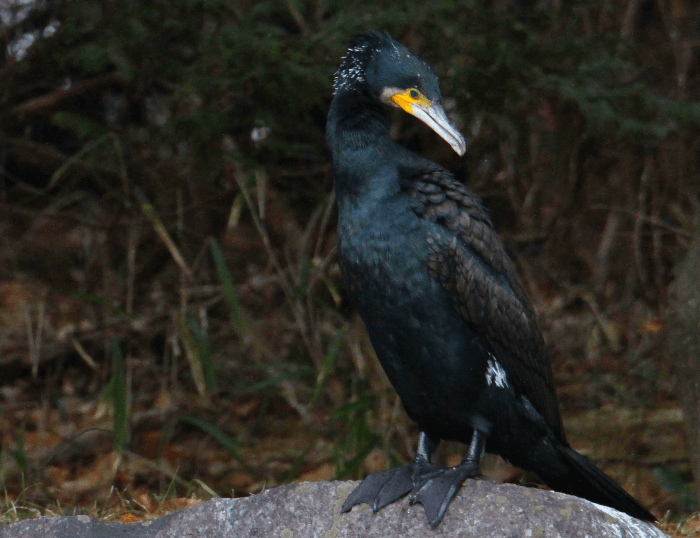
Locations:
column 441, row 299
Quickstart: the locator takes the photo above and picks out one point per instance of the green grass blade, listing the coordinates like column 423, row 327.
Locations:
column 227, row 441
column 19, row 454
column 364, row 402
column 302, row 284
column 229, row 289
column 99, row 301
column 202, row 341
column 192, row 353
column 353, row 465
column 328, row 363
column 270, row 382
column 296, row 465
column 119, row 396
column 75, row 158
column 206, row 488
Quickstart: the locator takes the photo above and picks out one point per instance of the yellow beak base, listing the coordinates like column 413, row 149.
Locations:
column 406, row 102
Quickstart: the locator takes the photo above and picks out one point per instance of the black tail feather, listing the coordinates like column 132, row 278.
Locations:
column 586, row 480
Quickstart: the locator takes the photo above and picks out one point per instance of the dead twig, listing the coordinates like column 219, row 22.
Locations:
column 605, row 248
column 52, row 100
column 644, row 181
column 324, row 223
column 654, row 221
column 132, row 242
column 300, row 316
column 34, row 340
column 297, row 17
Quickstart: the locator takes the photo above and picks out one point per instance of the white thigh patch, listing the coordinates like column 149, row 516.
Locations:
column 495, row 374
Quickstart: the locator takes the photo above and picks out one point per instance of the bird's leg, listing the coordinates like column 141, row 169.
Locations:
column 426, row 448
column 383, row 488
column 437, row 488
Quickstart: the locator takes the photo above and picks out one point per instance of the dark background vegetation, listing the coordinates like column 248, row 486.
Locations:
column 172, row 323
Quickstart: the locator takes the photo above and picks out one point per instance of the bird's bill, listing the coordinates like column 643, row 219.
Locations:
column 434, row 117
column 418, row 105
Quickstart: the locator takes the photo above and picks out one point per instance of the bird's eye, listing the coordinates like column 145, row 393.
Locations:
column 413, row 93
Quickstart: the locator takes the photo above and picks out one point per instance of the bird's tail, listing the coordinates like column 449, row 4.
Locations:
column 585, row 480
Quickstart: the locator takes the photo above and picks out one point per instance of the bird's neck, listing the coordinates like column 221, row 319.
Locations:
column 356, row 121
column 358, row 133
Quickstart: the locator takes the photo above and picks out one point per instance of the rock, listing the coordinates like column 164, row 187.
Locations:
column 311, row 510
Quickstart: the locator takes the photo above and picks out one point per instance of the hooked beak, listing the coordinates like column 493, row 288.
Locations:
column 434, row 117
column 415, row 103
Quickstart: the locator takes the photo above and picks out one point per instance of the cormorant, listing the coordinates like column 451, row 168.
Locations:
column 443, row 305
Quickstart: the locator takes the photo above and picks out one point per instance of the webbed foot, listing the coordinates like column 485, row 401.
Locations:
column 433, row 487
column 383, row 488
column 436, row 489
column 380, row 489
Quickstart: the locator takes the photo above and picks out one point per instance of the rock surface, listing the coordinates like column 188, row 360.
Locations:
column 311, row 510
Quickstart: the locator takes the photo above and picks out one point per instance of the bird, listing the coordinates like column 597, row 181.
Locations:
column 441, row 299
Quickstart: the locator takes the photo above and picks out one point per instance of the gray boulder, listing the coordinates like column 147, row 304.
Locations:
column 312, row 510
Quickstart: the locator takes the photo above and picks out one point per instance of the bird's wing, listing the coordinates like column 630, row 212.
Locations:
column 469, row 260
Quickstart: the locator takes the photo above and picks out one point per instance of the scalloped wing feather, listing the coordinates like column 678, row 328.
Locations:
column 469, row 260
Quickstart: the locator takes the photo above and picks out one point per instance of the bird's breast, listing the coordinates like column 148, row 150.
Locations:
column 381, row 248
column 429, row 354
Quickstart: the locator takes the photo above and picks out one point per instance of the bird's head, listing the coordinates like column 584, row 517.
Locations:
column 388, row 72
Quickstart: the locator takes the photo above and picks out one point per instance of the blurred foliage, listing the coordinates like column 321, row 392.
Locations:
column 134, row 133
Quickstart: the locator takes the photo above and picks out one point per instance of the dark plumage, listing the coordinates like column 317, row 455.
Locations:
column 441, row 299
